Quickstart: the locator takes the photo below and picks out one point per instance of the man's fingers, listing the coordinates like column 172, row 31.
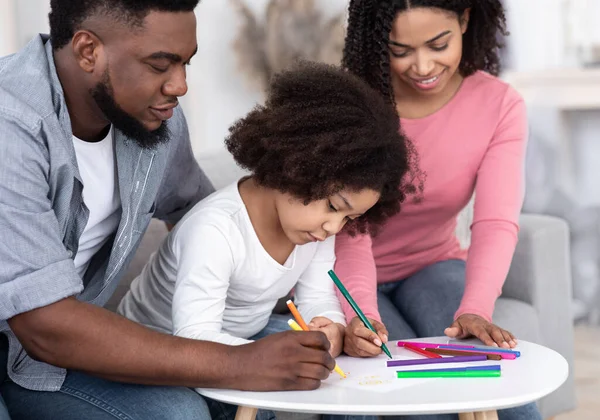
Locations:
column 314, row 339
column 315, row 349
column 313, row 371
column 302, row 384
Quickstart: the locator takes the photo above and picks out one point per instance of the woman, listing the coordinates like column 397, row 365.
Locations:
column 437, row 61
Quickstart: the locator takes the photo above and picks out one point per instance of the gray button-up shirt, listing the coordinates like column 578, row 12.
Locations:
column 42, row 213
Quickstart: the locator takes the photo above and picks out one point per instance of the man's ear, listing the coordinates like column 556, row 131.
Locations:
column 464, row 20
column 86, row 49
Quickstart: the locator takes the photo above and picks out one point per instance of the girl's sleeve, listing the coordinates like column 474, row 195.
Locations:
column 205, row 265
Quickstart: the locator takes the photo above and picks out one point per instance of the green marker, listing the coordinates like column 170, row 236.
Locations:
column 455, row 374
column 352, row 303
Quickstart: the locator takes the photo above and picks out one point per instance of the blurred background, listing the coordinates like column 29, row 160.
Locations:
column 552, row 58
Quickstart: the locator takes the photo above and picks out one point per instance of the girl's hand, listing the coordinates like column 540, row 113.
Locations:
column 361, row 341
column 468, row 325
column 333, row 331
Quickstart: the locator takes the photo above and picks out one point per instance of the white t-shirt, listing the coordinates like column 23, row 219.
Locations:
column 96, row 162
column 211, row 279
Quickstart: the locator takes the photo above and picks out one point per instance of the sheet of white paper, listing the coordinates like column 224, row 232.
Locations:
column 371, row 374
column 374, row 375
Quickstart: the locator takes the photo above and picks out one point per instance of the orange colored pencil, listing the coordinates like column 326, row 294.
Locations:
column 297, row 315
column 304, row 327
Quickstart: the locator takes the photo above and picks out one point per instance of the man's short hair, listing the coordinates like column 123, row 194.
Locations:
column 66, row 16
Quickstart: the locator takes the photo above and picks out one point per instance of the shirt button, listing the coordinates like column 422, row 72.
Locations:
column 69, row 254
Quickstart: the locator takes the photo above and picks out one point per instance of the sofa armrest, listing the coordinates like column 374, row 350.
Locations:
column 540, row 274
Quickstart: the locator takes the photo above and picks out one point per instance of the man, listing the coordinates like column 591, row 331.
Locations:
column 92, row 146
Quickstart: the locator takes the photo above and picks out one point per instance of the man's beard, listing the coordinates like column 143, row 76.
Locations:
column 121, row 120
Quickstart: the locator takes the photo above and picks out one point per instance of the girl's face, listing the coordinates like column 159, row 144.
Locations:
column 425, row 50
column 318, row 220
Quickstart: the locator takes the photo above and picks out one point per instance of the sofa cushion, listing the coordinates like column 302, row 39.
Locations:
column 519, row 318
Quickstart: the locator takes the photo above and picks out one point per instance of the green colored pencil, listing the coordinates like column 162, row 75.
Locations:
column 455, row 374
column 352, row 303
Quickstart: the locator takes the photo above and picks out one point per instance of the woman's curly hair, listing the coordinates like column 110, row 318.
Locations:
column 366, row 52
column 322, row 130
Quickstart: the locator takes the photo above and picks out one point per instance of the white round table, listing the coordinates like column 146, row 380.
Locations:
column 371, row 388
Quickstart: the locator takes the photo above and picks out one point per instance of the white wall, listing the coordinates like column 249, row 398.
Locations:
column 585, row 130
column 549, row 33
column 20, row 20
column 32, row 18
column 218, row 93
column 8, row 27
column 544, row 34
column 537, row 34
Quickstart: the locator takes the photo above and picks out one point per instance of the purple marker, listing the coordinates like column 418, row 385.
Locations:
column 459, row 369
column 482, row 349
column 457, row 359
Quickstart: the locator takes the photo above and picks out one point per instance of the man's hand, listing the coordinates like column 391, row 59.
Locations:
column 333, row 331
column 284, row 361
column 468, row 325
column 361, row 341
column 79, row 336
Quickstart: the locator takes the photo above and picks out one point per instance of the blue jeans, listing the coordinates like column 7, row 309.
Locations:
column 3, row 376
column 87, row 397
column 423, row 305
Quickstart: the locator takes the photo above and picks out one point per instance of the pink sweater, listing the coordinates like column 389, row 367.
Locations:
column 475, row 143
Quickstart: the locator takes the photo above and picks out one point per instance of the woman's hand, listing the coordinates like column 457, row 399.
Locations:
column 361, row 341
column 468, row 325
column 333, row 331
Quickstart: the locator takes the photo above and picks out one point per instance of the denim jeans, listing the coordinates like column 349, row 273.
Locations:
column 87, row 397
column 3, row 375
column 423, row 305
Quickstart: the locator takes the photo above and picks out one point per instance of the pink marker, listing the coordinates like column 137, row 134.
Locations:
column 505, row 353
column 424, row 345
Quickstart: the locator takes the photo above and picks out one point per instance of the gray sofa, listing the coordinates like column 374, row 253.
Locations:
column 535, row 303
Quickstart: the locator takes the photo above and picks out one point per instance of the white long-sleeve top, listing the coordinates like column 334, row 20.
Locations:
column 211, row 279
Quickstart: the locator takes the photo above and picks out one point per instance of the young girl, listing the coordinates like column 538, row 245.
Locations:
column 325, row 153
column 436, row 61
